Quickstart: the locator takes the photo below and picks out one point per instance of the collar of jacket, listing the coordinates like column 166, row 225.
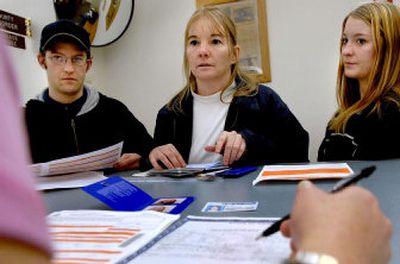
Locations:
column 92, row 99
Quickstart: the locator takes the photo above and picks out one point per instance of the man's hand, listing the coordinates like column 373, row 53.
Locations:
column 128, row 161
column 348, row 225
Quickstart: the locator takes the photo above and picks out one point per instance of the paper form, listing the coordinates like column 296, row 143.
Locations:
column 95, row 236
column 74, row 180
column 95, row 160
column 304, row 172
column 218, row 240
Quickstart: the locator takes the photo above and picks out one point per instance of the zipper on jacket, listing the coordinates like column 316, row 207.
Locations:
column 75, row 137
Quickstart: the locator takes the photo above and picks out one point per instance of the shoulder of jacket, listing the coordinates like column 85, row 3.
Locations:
column 104, row 99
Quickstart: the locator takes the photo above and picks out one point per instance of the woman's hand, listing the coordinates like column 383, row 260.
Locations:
column 231, row 145
column 168, row 155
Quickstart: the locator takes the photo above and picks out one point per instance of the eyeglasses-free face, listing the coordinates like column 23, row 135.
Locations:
column 209, row 56
column 358, row 51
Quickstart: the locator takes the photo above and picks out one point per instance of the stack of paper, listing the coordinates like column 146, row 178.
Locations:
column 91, row 236
column 304, row 172
column 76, row 171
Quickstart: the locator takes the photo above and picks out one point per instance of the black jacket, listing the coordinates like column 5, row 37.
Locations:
column 100, row 122
column 366, row 137
column 272, row 133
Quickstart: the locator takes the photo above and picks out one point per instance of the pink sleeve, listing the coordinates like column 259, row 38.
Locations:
column 22, row 214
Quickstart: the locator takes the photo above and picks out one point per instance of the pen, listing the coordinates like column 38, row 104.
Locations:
column 340, row 185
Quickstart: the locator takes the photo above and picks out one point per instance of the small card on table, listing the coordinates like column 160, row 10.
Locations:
column 218, row 207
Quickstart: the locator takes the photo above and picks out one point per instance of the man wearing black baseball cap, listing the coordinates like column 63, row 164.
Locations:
column 64, row 29
column 70, row 118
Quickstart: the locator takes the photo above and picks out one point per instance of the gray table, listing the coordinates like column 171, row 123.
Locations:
column 275, row 198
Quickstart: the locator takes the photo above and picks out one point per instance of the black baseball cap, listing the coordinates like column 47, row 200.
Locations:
column 64, row 30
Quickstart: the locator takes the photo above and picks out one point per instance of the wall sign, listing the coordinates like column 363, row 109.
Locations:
column 15, row 28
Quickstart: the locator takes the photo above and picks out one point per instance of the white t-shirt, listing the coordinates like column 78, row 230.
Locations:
column 209, row 115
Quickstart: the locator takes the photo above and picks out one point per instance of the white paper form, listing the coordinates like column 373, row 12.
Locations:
column 95, row 160
column 96, row 236
column 74, row 180
column 218, row 240
column 304, row 172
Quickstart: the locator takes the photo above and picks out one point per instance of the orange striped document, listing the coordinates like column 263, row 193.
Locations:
column 95, row 236
column 304, row 172
column 95, row 160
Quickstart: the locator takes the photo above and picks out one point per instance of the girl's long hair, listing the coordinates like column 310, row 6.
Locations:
column 384, row 78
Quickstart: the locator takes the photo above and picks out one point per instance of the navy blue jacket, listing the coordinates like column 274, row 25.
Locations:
column 272, row 133
column 366, row 137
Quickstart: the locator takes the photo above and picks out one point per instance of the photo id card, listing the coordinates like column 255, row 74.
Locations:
column 218, row 207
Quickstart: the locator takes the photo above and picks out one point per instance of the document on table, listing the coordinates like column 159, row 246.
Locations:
column 74, row 180
column 304, row 172
column 96, row 236
column 214, row 240
column 95, row 160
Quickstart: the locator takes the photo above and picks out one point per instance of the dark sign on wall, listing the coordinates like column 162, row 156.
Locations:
column 15, row 41
column 10, row 24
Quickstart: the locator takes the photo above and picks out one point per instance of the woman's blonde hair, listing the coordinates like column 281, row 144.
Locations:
column 224, row 26
column 384, row 78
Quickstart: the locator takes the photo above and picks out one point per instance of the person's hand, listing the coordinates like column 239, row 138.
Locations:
column 231, row 145
column 128, row 161
column 347, row 225
column 168, row 155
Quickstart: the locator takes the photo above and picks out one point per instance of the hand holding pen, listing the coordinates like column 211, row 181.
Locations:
column 336, row 224
column 337, row 187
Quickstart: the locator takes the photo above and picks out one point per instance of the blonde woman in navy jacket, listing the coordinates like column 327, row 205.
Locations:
column 366, row 125
column 221, row 114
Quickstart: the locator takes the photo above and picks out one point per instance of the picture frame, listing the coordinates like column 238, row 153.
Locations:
column 250, row 19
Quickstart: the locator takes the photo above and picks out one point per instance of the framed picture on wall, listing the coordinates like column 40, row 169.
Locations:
column 250, row 19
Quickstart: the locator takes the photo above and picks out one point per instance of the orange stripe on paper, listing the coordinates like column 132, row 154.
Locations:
column 125, row 229
column 56, row 260
column 76, row 226
column 93, row 233
column 89, row 241
column 89, row 237
column 305, row 171
column 87, row 251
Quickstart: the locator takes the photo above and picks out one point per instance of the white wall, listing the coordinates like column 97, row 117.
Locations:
column 144, row 68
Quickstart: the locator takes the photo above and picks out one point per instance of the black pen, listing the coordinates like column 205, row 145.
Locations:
column 340, row 185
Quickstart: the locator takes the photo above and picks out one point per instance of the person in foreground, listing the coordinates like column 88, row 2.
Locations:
column 366, row 125
column 344, row 227
column 23, row 230
column 222, row 114
column 68, row 117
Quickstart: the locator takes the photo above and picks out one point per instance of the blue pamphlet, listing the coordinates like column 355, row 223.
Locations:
column 236, row 172
column 121, row 195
